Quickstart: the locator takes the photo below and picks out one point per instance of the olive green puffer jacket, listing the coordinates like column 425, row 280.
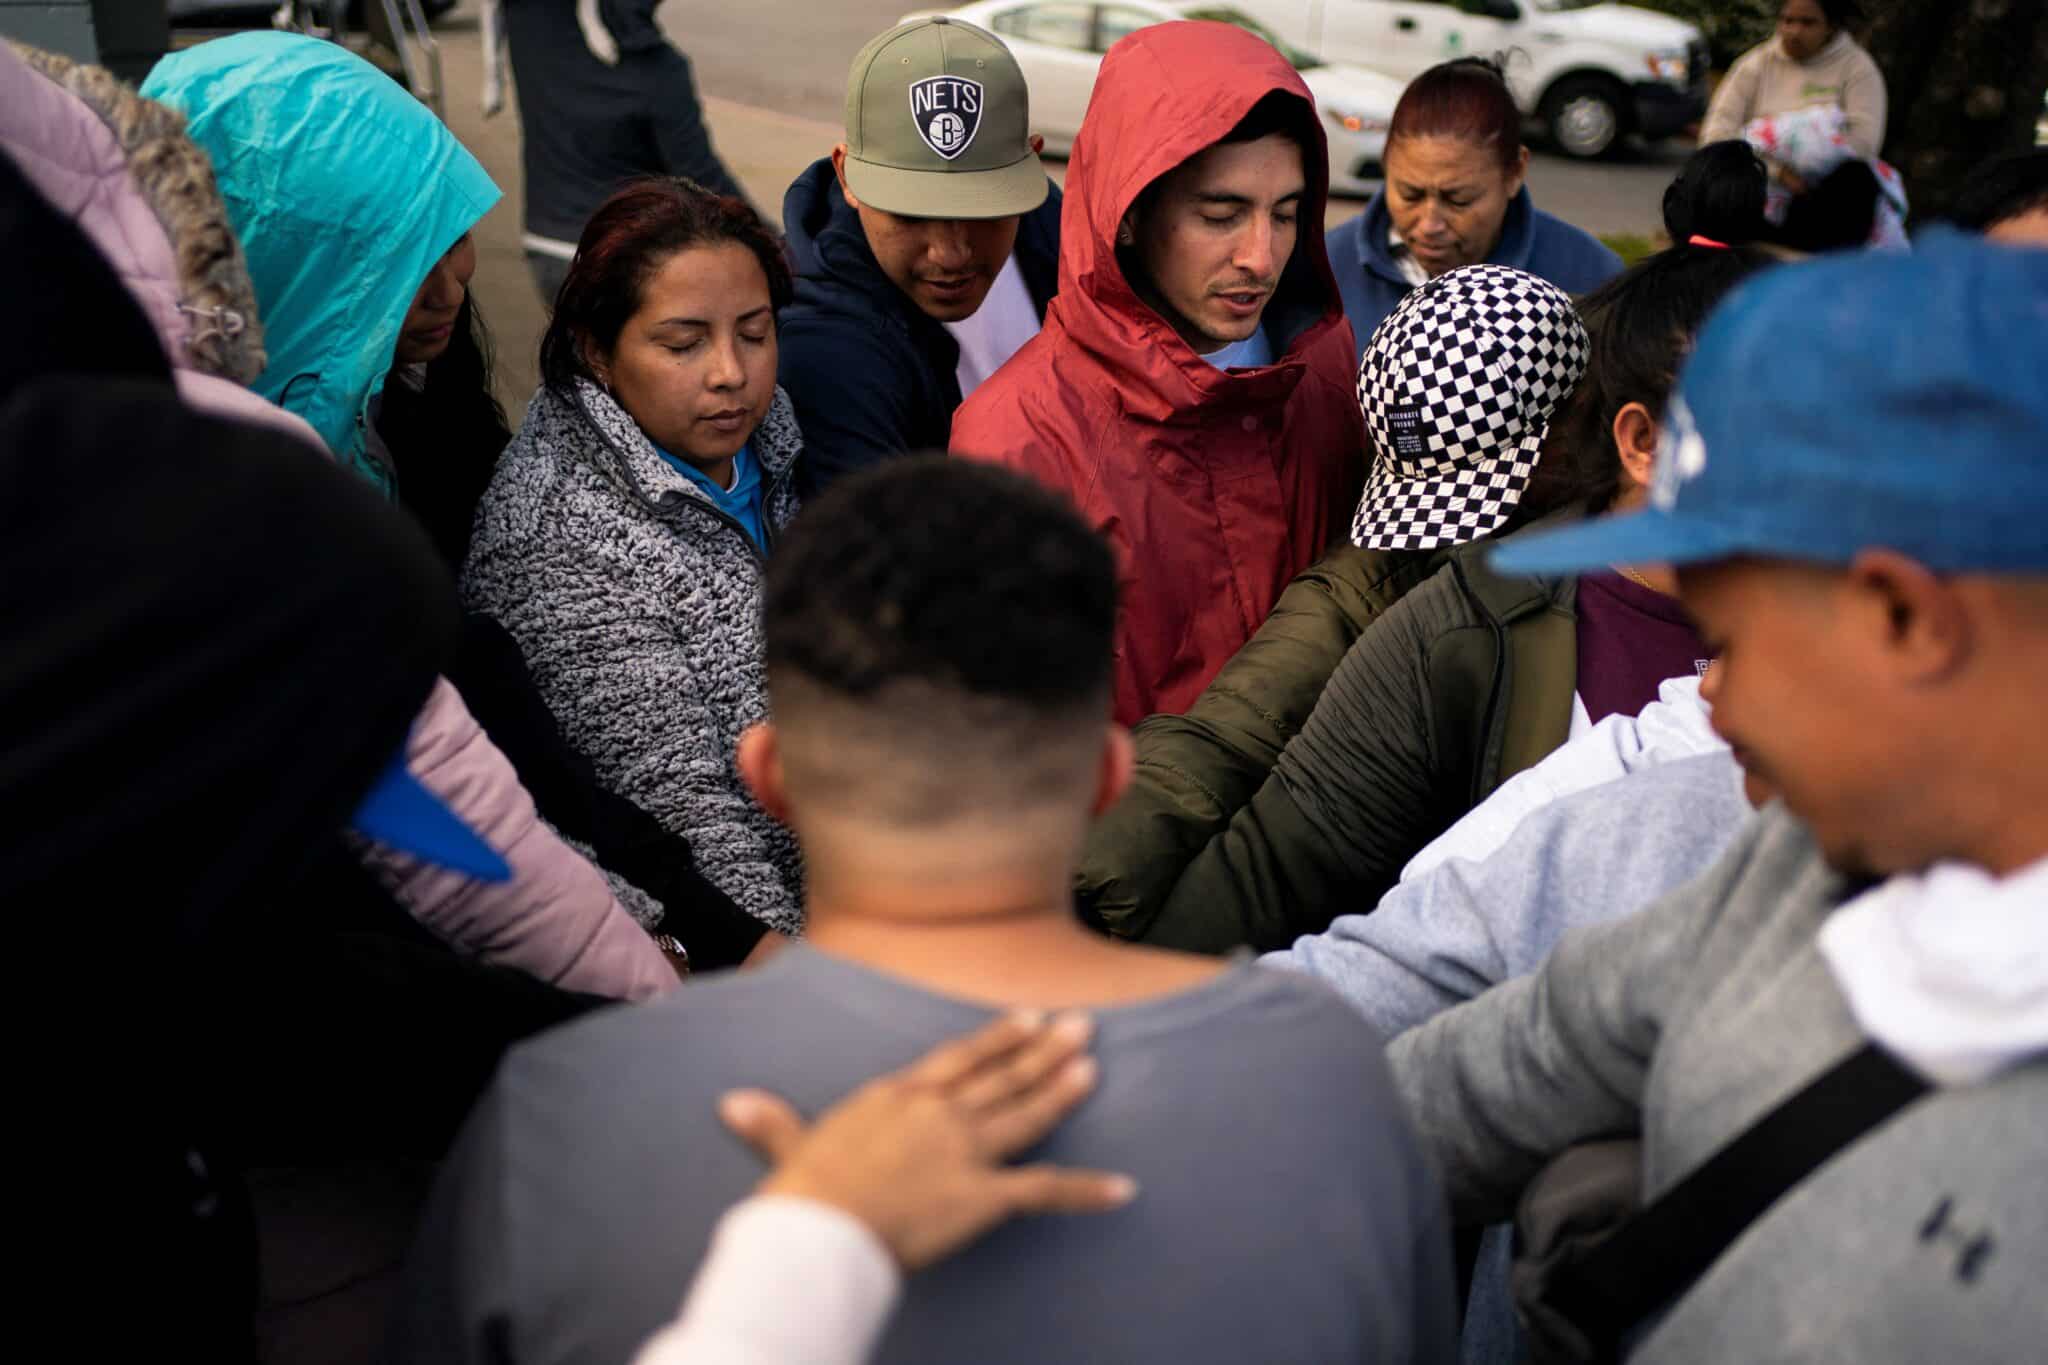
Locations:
column 1326, row 754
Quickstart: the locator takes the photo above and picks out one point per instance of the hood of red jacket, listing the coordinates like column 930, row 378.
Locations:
column 1164, row 94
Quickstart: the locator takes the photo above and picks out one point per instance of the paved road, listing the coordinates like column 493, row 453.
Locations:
column 773, row 73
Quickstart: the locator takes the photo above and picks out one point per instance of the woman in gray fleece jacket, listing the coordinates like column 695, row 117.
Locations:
column 622, row 539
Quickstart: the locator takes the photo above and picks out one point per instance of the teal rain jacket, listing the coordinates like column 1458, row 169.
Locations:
column 345, row 191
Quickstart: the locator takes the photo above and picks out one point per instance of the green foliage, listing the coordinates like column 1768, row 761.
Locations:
column 1630, row 246
column 1732, row 27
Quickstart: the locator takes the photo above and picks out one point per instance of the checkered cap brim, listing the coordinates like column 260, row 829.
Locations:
column 1458, row 388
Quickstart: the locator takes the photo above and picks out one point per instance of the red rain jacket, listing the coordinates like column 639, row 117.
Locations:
column 1215, row 489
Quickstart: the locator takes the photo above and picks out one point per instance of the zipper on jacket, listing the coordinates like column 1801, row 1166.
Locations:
column 776, row 484
column 760, row 552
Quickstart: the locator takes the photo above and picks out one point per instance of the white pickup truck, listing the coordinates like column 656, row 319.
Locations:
column 1591, row 71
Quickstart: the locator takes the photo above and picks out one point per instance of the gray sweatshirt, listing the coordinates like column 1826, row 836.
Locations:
column 1442, row 938
column 1924, row 1241
column 1449, row 934
column 1286, row 1214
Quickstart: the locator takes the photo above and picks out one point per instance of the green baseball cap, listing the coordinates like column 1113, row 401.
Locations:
column 938, row 125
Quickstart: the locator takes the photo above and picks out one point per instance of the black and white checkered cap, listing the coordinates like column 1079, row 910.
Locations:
column 1458, row 386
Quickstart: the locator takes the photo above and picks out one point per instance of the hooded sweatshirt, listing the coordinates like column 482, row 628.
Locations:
column 1372, row 280
column 1765, row 82
column 870, row 373
column 344, row 193
column 1213, row 487
column 125, row 171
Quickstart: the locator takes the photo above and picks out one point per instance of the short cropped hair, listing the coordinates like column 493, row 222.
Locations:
column 950, row 615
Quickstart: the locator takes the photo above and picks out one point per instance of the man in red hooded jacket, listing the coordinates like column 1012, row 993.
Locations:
column 1192, row 390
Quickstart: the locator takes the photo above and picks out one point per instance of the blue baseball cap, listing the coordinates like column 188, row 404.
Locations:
column 1864, row 401
column 402, row 814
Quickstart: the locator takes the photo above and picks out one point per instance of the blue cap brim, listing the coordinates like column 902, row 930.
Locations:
column 401, row 814
column 1647, row 537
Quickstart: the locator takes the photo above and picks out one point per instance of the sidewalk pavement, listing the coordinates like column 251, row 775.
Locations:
column 764, row 149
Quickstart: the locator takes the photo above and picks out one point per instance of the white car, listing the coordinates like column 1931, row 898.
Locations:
column 1592, row 72
column 1059, row 45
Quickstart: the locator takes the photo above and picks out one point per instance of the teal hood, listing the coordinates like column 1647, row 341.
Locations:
column 345, row 191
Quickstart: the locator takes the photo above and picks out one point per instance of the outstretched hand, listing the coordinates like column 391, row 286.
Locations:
column 918, row 1155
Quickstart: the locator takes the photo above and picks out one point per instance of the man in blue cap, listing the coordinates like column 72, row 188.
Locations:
column 1854, row 491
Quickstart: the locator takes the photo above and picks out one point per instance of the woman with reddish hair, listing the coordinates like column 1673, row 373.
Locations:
column 622, row 538
column 1455, row 195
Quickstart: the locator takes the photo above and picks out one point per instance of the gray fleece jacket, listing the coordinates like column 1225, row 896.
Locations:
column 636, row 604
column 1923, row 1241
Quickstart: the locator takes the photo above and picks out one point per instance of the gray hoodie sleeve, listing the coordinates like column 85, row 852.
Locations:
column 1500, row 1085
column 1449, row 935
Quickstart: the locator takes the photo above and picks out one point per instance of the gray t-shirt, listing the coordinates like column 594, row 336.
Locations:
column 1285, row 1212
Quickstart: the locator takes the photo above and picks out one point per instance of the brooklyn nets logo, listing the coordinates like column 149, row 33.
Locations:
column 947, row 112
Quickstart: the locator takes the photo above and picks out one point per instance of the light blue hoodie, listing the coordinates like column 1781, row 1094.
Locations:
column 345, row 191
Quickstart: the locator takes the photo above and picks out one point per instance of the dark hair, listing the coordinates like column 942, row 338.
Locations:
column 624, row 243
column 446, row 435
column 2001, row 188
column 1276, row 112
column 1719, row 194
column 1838, row 13
column 1641, row 325
column 947, row 573
column 1834, row 214
column 1467, row 99
column 1280, row 112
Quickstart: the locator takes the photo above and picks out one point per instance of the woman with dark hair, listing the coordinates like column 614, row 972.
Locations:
column 622, row 538
column 439, row 419
column 1455, row 195
column 1811, row 60
column 371, row 336
column 1466, row 680
column 1718, row 197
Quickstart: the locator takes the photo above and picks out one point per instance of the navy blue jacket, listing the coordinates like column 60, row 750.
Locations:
column 870, row 374
column 1571, row 258
column 587, row 128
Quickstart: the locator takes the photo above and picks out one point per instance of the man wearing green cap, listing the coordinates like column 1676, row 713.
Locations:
column 1834, row 1043
column 926, row 246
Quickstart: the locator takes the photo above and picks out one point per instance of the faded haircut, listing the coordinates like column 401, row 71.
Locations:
column 938, row 638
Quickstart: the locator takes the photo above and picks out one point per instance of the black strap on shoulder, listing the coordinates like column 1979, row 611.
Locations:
column 1651, row 1258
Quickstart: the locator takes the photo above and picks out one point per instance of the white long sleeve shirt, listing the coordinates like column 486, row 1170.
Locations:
column 739, row 1312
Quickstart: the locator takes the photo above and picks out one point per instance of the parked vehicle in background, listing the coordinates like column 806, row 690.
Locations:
column 257, row 13
column 1059, row 44
column 1594, row 73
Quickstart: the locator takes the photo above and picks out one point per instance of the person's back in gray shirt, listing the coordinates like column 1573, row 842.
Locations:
column 1284, row 1214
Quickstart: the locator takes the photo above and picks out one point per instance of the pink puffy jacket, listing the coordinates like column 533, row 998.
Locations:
column 144, row 192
